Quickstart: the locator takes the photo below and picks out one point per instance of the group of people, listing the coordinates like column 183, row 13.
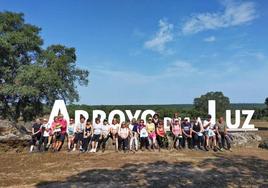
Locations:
column 87, row 136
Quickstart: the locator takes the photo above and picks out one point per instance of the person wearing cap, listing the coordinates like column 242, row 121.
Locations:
column 209, row 133
column 150, row 126
column 186, row 133
column 105, row 134
column 70, row 132
column 133, row 127
column 177, row 132
column 44, row 135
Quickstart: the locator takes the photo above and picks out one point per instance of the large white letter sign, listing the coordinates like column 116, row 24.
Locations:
column 249, row 114
column 59, row 105
column 77, row 115
column 97, row 113
column 166, row 126
column 130, row 115
column 229, row 122
column 146, row 113
column 116, row 112
column 212, row 110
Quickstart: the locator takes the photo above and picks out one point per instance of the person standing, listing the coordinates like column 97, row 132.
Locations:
column 114, row 133
column 177, row 132
column 150, row 126
column 133, row 127
column 143, row 135
column 44, row 135
column 123, row 135
column 70, row 132
column 36, row 134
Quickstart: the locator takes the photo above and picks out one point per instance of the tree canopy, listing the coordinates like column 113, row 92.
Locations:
column 30, row 76
column 222, row 103
column 266, row 102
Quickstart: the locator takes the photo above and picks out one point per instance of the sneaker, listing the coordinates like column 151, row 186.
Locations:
column 221, row 149
column 91, row 151
column 215, row 149
column 74, row 149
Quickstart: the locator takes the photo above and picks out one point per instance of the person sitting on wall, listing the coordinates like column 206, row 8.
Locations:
column 186, row 133
column 79, row 132
column 209, row 133
column 97, row 127
column 105, row 134
column 87, row 135
column 161, row 136
column 63, row 132
column 223, row 135
column 197, row 133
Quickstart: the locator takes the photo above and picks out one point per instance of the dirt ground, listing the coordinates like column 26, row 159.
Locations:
column 244, row 167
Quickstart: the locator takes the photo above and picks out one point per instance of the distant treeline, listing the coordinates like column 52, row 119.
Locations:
column 169, row 109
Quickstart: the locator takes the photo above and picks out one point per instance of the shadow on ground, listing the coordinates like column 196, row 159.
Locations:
column 221, row 171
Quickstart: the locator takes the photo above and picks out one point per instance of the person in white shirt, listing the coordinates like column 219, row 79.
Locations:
column 123, row 135
column 97, row 127
column 44, row 134
column 70, row 132
column 105, row 134
column 79, row 133
column 114, row 132
column 209, row 133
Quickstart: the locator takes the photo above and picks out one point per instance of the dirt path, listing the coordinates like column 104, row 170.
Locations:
column 242, row 167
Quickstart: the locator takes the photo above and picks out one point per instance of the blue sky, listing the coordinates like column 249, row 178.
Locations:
column 159, row 52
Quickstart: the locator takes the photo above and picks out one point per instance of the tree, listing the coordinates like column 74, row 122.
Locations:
column 222, row 103
column 31, row 77
column 266, row 102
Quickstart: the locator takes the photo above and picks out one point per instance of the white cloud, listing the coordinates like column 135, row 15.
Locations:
column 161, row 38
column 234, row 14
column 180, row 67
column 210, row 39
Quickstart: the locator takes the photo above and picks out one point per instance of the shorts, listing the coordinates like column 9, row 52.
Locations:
column 96, row 138
column 35, row 138
column 58, row 136
column 211, row 133
column 152, row 135
column 62, row 137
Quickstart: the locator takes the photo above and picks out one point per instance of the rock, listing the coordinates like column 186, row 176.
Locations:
column 264, row 144
column 245, row 139
column 13, row 136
